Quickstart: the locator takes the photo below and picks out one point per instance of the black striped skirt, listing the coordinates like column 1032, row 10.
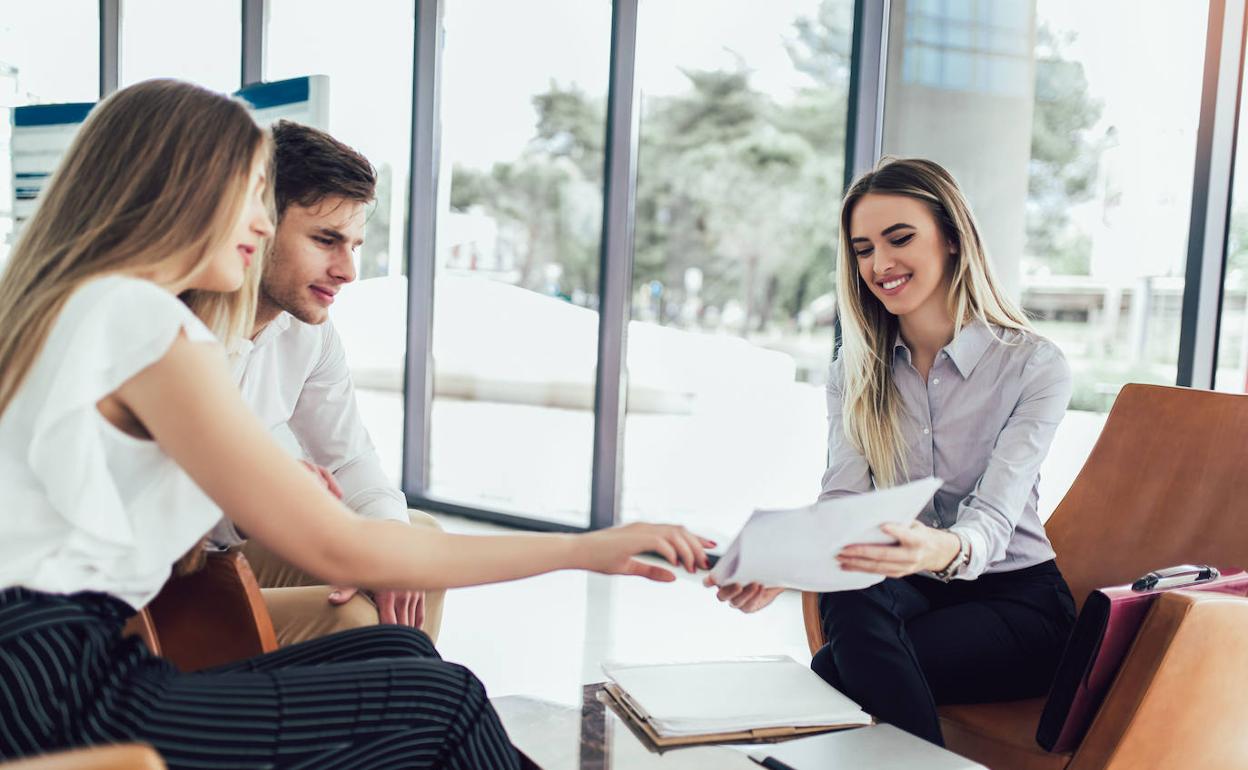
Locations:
column 376, row 697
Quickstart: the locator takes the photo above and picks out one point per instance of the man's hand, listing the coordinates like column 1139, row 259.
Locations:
column 326, row 478
column 403, row 608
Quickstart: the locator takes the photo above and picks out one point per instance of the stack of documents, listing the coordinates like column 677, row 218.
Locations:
column 797, row 548
column 741, row 699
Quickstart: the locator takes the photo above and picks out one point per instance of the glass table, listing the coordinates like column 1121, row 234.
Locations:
column 596, row 737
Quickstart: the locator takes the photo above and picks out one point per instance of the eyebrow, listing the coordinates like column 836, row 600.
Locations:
column 885, row 231
column 330, row 232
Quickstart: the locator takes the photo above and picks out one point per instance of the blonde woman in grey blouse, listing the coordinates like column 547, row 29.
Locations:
column 940, row 374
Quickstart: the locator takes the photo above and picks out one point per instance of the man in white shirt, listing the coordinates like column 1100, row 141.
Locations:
column 293, row 372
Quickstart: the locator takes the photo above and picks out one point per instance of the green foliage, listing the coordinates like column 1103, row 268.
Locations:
column 822, row 46
column 1064, row 158
column 729, row 181
column 746, row 187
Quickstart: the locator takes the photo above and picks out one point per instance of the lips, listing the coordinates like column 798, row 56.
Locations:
column 324, row 295
column 894, row 285
column 247, row 252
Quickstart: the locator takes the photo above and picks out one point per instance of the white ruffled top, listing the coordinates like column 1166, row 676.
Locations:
column 88, row 507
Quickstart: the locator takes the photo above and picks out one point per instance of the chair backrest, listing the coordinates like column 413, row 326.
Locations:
column 1166, row 484
column 213, row 616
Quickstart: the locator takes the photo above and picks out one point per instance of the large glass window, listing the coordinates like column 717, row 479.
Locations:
column 1074, row 138
column 195, row 41
column 49, row 52
column 519, row 231
column 365, row 50
column 1232, row 368
column 740, row 169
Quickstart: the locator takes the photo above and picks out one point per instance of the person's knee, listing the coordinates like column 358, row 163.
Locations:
column 857, row 624
column 357, row 612
column 434, row 599
column 422, row 519
column 823, row 664
column 475, row 699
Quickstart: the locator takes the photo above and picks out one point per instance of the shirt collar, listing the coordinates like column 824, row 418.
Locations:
column 965, row 350
column 969, row 346
column 270, row 332
column 900, row 348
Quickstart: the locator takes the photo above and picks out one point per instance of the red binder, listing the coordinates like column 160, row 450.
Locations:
column 1103, row 634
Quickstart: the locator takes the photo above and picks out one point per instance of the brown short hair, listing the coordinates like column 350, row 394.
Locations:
column 310, row 166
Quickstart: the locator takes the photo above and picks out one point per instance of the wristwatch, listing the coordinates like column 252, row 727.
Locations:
column 954, row 568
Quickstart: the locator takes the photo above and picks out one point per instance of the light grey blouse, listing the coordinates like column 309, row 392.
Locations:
column 983, row 423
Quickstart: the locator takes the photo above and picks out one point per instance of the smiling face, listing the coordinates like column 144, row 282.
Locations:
column 229, row 260
column 313, row 257
column 901, row 253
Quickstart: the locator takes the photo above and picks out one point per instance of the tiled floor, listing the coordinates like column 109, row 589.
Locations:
column 546, row 636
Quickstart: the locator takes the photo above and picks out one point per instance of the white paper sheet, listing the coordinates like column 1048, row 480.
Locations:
column 797, row 548
column 680, row 699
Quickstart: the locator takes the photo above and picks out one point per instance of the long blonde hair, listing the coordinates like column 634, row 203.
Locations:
column 871, row 409
column 157, row 173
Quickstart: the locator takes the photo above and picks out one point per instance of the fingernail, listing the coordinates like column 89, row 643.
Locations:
column 335, row 595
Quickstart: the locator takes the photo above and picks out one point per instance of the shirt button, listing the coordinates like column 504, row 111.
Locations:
column 936, row 381
column 926, row 431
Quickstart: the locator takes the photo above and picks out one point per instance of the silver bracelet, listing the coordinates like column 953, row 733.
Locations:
column 954, row 567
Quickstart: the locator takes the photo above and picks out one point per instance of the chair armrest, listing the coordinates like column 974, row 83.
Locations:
column 213, row 616
column 814, row 623
column 1179, row 699
column 141, row 625
column 120, row 757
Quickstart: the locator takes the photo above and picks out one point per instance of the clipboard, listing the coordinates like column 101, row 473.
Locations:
column 636, row 717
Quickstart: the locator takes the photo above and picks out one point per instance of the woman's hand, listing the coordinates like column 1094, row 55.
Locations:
column 748, row 598
column 918, row 548
column 611, row 551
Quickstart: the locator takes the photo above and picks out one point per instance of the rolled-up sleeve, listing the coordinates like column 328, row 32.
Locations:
column 848, row 472
column 327, row 424
column 988, row 516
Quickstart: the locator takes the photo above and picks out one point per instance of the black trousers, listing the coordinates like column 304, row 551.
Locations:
column 377, row 697
column 904, row 646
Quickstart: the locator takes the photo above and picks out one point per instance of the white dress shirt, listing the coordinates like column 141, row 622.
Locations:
column 983, row 422
column 295, row 377
column 88, row 507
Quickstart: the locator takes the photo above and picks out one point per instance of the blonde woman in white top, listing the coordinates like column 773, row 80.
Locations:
column 123, row 438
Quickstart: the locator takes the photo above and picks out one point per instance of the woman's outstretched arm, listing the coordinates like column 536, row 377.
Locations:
column 190, row 405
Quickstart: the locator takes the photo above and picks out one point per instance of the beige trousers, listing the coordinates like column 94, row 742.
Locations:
column 299, row 603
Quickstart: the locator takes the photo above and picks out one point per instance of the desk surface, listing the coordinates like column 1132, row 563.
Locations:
column 595, row 737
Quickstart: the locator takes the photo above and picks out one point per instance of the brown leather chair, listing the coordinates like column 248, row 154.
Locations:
column 205, row 619
column 1166, row 484
column 208, row 618
column 120, row 757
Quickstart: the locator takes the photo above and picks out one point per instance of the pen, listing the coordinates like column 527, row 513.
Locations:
column 771, row 763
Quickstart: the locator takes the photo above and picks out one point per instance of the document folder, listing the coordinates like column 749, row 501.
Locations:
column 749, row 699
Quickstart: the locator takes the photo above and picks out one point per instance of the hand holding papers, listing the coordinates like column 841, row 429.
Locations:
column 797, row 548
